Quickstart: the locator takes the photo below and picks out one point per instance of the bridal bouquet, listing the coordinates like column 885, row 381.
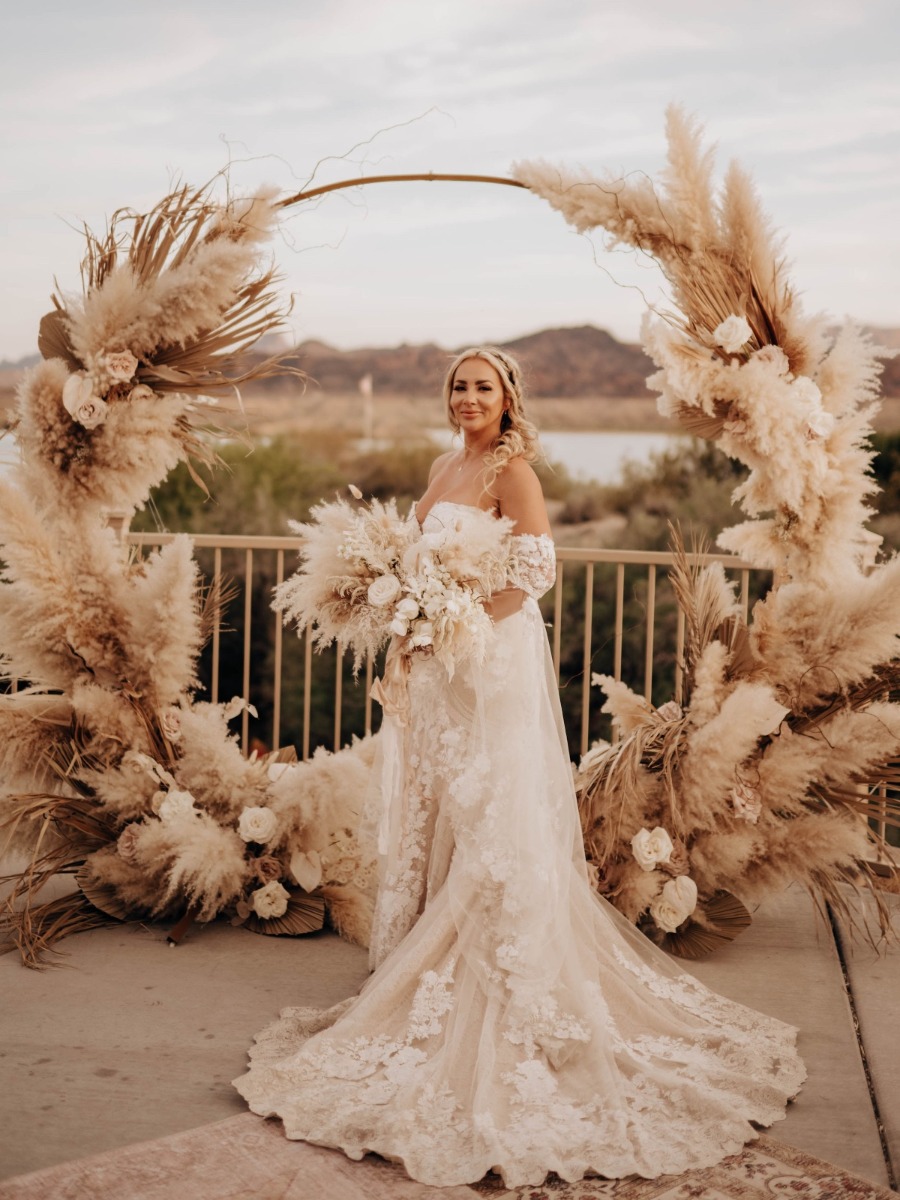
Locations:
column 368, row 574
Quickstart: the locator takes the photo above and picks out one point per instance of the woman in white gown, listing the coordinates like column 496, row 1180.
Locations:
column 514, row 1020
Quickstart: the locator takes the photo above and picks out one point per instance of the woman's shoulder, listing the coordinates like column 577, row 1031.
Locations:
column 517, row 477
column 521, row 497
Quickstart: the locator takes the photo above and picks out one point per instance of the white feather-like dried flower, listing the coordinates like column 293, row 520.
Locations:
column 354, row 491
column 732, row 334
column 270, row 901
column 257, row 824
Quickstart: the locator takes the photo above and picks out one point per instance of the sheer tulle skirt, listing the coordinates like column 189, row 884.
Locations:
column 514, row 1021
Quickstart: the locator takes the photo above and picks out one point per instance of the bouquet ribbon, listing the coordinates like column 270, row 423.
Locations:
column 390, row 690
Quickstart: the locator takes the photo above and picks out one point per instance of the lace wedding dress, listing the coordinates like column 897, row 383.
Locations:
column 514, row 1021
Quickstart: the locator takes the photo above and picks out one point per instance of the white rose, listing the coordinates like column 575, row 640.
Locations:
column 650, row 847
column 176, row 804
column 170, row 720
column 806, row 393
column 675, row 903
column 81, row 403
column 257, row 824
column 137, row 763
column 408, row 608
column 819, row 424
column 120, row 365
column 383, row 591
column 732, row 334
column 271, row 900
column 774, row 356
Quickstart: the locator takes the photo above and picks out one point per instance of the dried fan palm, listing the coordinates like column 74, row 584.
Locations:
column 305, row 914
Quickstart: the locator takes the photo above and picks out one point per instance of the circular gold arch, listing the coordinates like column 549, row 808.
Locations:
column 427, row 176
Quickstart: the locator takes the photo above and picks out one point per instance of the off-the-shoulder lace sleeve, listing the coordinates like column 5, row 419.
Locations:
column 535, row 570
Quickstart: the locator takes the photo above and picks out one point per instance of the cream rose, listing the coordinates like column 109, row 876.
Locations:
column 732, row 334
column 127, row 844
column 120, row 365
column 170, row 720
column 267, row 868
column 257, row 824
column 270, row 901
column 176, row 804
column 383, row 591
column 675, row 903
column 81, row 403
column 651, row 846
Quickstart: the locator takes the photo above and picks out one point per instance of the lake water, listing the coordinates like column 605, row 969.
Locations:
column 600, row 457
column 590, row 456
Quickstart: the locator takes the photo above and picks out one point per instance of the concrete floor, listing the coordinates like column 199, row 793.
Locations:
column 132, row 1040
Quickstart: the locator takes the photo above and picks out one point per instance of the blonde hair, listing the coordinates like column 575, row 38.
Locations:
column 518, row 437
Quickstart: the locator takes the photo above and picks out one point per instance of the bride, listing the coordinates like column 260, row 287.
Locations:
column 515, row 1021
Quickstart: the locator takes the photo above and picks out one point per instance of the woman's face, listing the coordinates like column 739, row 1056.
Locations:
column 477, row 399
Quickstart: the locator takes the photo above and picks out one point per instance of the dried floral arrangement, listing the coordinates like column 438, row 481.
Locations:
column 113, row 772
column 783, row 746
column 368, row 575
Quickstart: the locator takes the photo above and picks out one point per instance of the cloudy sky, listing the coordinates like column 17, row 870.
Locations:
column 103, row 105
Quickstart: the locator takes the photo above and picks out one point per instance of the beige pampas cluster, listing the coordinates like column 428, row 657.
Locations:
column 112, row 772
column 785, row 739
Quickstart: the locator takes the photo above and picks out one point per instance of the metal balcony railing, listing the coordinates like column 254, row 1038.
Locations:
column 611, row 611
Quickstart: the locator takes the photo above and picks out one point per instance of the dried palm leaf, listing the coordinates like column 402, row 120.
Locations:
column 722, row 918
column 305, row 914
column 103, row 897
column 41, row 927
column 162, row 240
column 699, row 423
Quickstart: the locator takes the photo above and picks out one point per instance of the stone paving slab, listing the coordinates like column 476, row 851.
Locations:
column 786, row 964
column 875, row 987
column 133, row 1040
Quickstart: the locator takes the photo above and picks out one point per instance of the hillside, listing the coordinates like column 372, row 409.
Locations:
column 578, row 378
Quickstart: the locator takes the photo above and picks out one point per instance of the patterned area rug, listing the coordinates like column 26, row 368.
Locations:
column 244, row 1158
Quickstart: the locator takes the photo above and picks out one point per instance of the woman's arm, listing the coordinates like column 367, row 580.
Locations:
column 520, row 498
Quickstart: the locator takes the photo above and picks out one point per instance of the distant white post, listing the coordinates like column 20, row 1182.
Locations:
column 365, row 387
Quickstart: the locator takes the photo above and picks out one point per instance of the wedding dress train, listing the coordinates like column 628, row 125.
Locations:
column 514, row 1021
